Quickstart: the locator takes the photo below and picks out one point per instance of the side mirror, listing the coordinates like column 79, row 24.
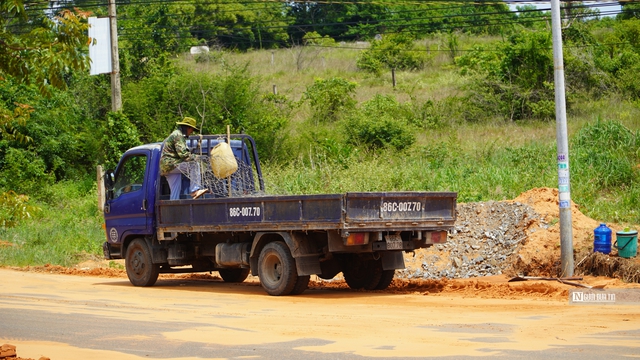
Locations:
column 109, row 180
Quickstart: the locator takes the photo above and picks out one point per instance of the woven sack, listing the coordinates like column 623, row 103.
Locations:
column 223, row 163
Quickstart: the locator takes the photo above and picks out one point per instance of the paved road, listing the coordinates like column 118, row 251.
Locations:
column 74, row 317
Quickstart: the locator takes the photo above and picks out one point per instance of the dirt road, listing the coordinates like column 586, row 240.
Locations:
column 87, row 317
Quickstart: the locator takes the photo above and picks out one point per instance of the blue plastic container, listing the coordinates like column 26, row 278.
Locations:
column 602, row 239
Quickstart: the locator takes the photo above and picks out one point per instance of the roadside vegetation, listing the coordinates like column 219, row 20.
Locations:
column 468, row 109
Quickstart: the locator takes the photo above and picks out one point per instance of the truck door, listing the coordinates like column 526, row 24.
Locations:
column 127, row 209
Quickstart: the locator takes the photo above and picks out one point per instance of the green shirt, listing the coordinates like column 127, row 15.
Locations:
column 174, row 152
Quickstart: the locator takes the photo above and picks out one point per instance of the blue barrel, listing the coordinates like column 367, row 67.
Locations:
column 602, row 239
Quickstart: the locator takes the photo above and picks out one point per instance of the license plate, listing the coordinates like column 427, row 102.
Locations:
column 394, row 242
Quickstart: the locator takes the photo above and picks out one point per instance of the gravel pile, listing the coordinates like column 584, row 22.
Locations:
column 485, row 241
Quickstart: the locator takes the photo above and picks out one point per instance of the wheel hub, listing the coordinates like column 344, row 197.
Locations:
column 274, row 269
column 138, row 263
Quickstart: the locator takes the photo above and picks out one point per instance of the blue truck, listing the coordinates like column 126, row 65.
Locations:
column 239, row 229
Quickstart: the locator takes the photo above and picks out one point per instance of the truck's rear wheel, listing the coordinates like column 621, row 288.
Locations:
column 277, row 269
column 385, row 280
column 302, row 284
column 362, row 274
column 140, row 269
column 233, row 275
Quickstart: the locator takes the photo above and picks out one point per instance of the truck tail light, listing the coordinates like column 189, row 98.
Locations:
column 436, row 237
column 358, row 239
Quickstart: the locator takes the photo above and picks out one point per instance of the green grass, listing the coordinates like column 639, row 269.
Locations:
column 480, row 163
column 64, row 232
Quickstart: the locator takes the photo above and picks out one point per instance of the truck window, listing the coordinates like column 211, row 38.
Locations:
column 130, row 175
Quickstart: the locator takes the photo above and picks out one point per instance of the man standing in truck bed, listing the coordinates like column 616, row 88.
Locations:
column 176, row 159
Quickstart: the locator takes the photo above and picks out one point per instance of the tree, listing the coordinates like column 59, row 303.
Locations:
column 37, row 50
column 396, row 51
column 529, row 16
column 40, row 49
column 149, row 33
column 342, row 21
column 629, row 11
column 243, row 25
column 515, row 82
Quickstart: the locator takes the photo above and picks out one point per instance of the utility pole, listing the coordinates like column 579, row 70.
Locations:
column 566, row 230
column 116, row 93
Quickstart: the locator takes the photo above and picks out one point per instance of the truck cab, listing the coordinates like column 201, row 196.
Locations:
column 133, row 188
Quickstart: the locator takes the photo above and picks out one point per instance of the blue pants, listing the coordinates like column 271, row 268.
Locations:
column 174, row 178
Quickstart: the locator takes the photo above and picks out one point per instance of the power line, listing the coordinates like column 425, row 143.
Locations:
column 391, row 21
column 462, row 3
column 243, row 41
column 407, row 22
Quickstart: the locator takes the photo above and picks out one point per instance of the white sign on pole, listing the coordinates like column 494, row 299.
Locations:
column 100, row 52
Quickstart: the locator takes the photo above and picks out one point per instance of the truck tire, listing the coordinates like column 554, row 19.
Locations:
column 385, row 280
column 140, row 269
column 277, row 269
column 362, row 274
column 302, row 284
column 233, row 275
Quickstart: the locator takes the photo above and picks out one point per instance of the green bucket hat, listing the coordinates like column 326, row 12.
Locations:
column 191, row 122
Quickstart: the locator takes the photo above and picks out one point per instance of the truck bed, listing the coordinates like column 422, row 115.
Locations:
column 377, row 211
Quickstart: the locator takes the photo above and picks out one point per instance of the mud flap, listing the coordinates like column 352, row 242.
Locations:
column 105, row 251
column 392, row 260
column 308, row 265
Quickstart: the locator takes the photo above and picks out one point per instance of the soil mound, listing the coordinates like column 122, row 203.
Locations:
column 517, row 237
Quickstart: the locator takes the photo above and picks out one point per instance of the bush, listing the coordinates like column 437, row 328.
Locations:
column 515, row 83
column 150, row 104
column 627, row 75
column 14, row 208
column 426, row 115
column 272, row 117
column 330, row 98
column 25, row 173
column 313, row 38
column 51, row 128
column 118, row 136
column 379, row 124
column 318, row 145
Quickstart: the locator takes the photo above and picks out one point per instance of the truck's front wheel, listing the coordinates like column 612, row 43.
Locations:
column 140, row 269
column 277, row 269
